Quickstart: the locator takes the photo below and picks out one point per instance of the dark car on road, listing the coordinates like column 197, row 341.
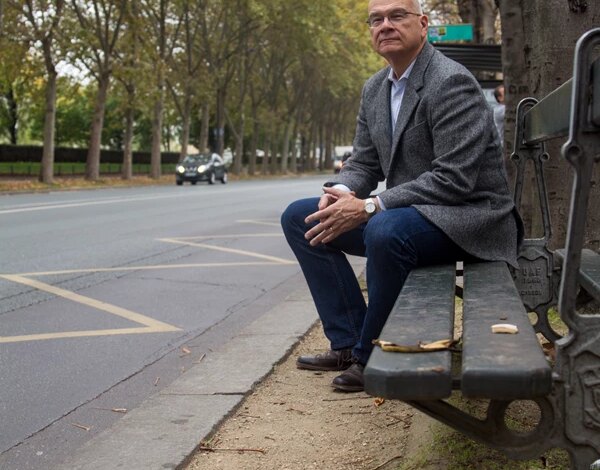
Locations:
column 201, row 167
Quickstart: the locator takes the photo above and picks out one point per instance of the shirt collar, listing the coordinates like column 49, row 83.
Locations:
column 392, row 77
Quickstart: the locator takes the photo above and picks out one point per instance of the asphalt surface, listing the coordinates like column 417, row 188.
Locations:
column 166, row 429
column 121, row 309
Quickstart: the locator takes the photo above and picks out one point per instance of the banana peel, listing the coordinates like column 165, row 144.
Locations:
column 440, row 345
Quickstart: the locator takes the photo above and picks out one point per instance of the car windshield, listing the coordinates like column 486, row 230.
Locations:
column 200, row 159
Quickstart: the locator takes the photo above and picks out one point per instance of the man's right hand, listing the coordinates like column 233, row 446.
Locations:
column 326, row 200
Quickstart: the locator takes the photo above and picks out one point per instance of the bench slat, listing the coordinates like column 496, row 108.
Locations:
column 589, row 271
column 550, row 117
column 499, row 366
column 424, row 311
column 596, row 93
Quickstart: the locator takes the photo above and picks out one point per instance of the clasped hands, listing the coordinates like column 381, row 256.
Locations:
column 339, row 211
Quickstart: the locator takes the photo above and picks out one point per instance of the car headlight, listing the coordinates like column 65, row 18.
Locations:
column 201, row 168
column 180, row 169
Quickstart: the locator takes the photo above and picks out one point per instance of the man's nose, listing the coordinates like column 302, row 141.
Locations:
column 386, row 23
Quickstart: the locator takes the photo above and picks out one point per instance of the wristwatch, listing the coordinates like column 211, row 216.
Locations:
column 370, row 206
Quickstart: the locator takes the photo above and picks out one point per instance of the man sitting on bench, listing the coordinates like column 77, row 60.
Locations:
column 446, row 196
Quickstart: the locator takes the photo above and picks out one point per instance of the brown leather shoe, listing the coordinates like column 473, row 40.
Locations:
column 350, row 380
column 338, row 359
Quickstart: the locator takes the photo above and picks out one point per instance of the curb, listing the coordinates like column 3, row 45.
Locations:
column 168, row 427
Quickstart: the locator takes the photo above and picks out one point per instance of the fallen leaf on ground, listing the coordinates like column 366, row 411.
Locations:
column 81, row 426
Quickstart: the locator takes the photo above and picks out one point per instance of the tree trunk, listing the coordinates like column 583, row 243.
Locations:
column 550, row 31
column 321, row 145
column 487, row 13
column 204, row 127
column 274, row 142
column 265, row 158
column 285, row 152
column 552, row 37
column 294, row 143
column 515, row 58
column 239, row 148
column 482, row 15
column 157, row 123
column 127, row 170
column 185, row 131
column 220, row 137
column 13, row 116
column 329, row 145
column 47, row 170
column 253, row 146
column 92, row 167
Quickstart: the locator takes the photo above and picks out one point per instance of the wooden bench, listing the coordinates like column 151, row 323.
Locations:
column 502, row 368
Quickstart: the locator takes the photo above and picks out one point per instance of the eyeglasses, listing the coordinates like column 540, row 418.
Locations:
column 395, row 17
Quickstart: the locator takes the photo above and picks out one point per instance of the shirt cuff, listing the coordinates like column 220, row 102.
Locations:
column 341, row 186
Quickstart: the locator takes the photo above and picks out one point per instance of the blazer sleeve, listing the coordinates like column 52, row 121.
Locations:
column 362, row 172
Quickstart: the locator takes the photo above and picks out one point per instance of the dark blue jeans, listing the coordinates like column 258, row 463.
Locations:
column 394, row 242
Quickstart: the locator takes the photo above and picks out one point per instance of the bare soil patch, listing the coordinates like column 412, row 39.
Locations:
column 295, row 420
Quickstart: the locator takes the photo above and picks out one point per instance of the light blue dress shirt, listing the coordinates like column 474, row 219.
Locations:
column 396, row 94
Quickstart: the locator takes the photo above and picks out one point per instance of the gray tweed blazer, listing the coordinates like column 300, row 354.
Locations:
column 444, row 157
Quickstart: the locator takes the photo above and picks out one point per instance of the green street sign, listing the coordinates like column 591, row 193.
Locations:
column 450, row 32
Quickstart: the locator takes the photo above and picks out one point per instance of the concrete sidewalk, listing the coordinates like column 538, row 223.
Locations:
column 168, row 427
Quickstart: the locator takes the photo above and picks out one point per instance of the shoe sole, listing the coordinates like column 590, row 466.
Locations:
column 302, row 365
column 349, row 388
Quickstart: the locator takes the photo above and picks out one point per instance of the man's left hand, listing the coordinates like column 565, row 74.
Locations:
column 346, row 213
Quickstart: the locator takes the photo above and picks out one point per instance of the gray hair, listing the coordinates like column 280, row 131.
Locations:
column 417, row 7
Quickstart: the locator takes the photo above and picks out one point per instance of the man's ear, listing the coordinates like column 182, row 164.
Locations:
column 424, row 25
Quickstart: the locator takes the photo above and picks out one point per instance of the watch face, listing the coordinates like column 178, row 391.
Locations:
column 370, row 206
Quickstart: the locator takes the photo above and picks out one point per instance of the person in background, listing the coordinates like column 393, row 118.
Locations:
column 499, row 111
column 424, row 127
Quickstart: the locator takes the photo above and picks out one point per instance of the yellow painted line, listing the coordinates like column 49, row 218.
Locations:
column 229, row 250
column 259, row 222
column 147, row 268
column 245, row 235
column 152, row 325
column 79, row 334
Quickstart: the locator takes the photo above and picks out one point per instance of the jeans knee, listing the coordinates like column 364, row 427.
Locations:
column 293, row 216
column 378, row 234
column 386, row 241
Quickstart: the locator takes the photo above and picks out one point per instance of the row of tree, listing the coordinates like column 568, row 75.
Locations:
column 285, row 75
column 268, row 69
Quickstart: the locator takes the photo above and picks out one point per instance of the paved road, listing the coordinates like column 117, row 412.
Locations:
column 107, row 296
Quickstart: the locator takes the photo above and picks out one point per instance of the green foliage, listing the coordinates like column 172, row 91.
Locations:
column 279, row 62
column 73, row 113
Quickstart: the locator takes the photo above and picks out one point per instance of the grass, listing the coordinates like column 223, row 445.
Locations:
column 19, row 169
column 450, row 449
column 17, row 185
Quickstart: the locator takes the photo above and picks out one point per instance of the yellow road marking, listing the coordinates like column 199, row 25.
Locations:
column 244, row 235
column 148, row 268
column 259, row 222
column 150, row 324
column 229, row 250
column 78, row 334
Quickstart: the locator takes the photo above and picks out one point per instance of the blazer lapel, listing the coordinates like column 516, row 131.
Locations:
column 409, row 103
column 411, row 94
column 383, row 122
